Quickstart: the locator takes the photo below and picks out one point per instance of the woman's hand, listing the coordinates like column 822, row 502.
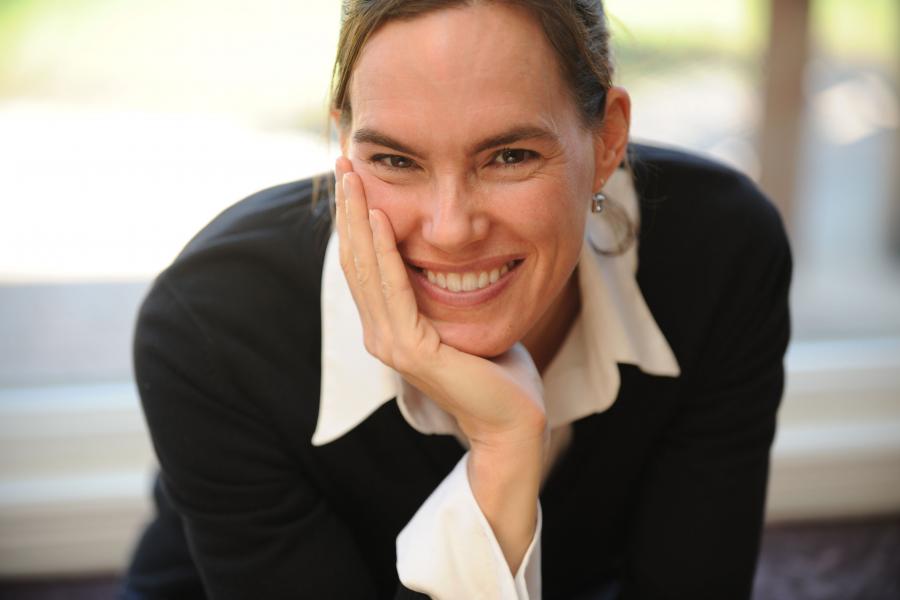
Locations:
column 497, row 403
column 494, row 401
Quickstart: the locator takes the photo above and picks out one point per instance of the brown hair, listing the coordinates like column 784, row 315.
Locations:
column 577, row 30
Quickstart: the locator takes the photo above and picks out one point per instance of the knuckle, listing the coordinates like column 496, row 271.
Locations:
column 406, row 355
column 362, row 274
column 401, row 360
column 387, row 288
column 392, row 287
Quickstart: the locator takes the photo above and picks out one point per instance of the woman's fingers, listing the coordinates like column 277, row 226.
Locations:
column 400, row 301
column 340, row 208
column 393, row 329
column 360, row 233
column 343, row 166
column 340, row 221
column 368, row 277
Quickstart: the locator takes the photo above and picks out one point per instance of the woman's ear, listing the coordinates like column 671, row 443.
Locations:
column 611, row 136
column 342, row 130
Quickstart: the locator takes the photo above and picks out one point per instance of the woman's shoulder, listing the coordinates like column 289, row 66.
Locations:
column 249, row 279
column 292, row 216
column 226, row 343
column 690, row 191
column 694, row 208
column 711, row 244
column 278, row 233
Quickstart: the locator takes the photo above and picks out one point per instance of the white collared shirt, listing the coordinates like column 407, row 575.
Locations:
column 464, row 559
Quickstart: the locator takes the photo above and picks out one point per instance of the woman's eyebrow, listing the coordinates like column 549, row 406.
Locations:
column 371, row 136
column 511, row 136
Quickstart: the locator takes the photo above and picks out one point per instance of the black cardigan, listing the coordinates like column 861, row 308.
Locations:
column 663, row 493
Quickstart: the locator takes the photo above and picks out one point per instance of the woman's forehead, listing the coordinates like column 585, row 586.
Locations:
column 459, row 67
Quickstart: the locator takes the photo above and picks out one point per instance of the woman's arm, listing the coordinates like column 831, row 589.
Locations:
column 701, row 506
column 256, row 527
column 497, row 404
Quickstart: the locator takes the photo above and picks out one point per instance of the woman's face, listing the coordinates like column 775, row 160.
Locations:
column 464, row 134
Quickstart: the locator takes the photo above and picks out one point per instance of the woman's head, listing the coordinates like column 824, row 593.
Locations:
column 482, row 139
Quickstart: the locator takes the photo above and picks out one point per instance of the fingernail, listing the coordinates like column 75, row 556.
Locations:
column 372, row 219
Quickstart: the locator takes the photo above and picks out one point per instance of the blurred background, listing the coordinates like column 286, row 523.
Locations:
column 125, row 126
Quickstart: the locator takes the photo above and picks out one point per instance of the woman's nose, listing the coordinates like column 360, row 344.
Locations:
column 455, row 220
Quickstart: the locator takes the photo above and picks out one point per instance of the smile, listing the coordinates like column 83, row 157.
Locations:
column 464, row 288
column 470, row 280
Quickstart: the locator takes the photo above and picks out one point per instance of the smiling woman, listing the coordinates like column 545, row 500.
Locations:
column 565, row 424
column 504, row 185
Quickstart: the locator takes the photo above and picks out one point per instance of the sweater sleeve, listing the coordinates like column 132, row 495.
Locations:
column 448, row 549
column 700, row 510
column 255, row 526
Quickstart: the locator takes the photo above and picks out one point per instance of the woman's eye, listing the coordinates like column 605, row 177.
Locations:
column 392, row 161
column 513, row 156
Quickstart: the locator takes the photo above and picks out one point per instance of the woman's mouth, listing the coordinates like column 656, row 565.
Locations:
column 468, row 287
column 468, row 281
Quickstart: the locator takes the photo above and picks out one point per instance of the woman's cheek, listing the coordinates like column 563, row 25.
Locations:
column 398, row 202
column 538, row 208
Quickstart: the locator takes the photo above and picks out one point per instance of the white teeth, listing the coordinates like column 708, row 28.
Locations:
column 469, row 281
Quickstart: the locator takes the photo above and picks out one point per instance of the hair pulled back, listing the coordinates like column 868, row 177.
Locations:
column 577, row 30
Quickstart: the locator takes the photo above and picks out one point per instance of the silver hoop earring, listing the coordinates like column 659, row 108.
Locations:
column 597, row 201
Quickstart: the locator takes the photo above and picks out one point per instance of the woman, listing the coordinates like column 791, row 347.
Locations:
column 566, row 425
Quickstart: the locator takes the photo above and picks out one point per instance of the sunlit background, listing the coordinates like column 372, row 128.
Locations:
column 125, row 126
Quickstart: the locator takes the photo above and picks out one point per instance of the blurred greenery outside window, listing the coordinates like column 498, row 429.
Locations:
column 126, row 126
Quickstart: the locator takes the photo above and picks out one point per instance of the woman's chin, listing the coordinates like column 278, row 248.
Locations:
column 476, row 339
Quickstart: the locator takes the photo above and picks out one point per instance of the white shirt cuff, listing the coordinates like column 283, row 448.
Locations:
column 448, row 549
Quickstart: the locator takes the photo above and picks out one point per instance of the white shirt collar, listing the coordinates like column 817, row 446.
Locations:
column 614, row 326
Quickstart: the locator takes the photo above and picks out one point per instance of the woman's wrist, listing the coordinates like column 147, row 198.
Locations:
column 505, row 481
column 526, row 428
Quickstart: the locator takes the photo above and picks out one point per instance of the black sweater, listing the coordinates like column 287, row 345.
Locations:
column 663, row 493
